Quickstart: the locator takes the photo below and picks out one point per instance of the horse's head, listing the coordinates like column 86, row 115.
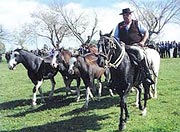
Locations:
column 73, row 65
column 15, row 58
column 61, row 58
column 55, row 59
column 106, row 44
column 111, row 48
column 101, row 60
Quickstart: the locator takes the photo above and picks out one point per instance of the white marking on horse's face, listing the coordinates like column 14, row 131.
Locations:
column 71, row 65
column 13, row 62
column 100, row 43
column 54, row 60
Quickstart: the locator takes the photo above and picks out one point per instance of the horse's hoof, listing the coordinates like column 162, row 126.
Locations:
column 33, row 103
column 73, row 91
column 140, row 107
column 50, row 98
column 77, row 100
column 33, row 106
column 127, row 119
column 43, row 101
column 111, row 92
column 85, row 106
column 144, row 112
column 122, row 127
column 98, row 99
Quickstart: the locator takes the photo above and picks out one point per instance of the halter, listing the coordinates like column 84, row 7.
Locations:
column 114, row 46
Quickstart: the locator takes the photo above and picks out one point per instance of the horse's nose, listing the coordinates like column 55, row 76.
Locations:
column 70, row 71
column 10, row 67
column 53, row 65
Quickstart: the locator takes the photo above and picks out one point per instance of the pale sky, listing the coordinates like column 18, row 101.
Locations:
column 14, row 13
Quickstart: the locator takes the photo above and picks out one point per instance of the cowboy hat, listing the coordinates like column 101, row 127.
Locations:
column 125, row 11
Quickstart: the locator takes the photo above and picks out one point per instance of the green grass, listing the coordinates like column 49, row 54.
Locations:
column 63, row 114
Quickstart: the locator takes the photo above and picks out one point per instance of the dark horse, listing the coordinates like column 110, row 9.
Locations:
column 61, row 59
column 91, row 48
column 38, row 69
column 124, row 74
column 89, row 70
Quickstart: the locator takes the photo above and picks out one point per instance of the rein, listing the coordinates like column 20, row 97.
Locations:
column 120, row 57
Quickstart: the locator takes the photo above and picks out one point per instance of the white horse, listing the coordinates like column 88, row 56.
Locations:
column 153, row 59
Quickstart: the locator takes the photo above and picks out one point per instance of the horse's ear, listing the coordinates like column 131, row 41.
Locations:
column 100, row 33
column 111, row 32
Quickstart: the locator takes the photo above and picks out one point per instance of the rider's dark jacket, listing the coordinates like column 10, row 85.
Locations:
column 130, row 36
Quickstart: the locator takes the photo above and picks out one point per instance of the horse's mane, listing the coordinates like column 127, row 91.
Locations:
column 90, row 57
column 18, row 50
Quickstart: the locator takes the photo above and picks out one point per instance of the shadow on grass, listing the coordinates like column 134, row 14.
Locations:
column 56, row 102
column 104, row 103
column 25, row 102
column 75, row 124
column 61, row 101
column 15, row 103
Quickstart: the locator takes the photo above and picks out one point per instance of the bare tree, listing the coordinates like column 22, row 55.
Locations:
column 51, row 26
column 78, row 24
column 22, row 35
column 3, row 33
column 157, row 14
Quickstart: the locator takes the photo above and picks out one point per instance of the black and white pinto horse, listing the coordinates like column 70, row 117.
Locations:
column 61, row 59
column 38, row 69
column 124, row 75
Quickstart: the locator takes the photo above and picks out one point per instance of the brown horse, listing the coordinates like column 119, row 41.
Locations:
column 89, row 70
column 88, row 48
column 61, row 59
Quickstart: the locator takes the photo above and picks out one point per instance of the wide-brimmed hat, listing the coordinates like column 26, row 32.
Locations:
column 126, row 10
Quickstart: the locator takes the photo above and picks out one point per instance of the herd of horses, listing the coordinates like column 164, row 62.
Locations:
column 109, row 59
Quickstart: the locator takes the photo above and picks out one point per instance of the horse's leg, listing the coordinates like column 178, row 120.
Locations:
column 94, row 89
column 99, row 88
column 53, row 83
column 146, row 94
column 66, row 84
column 35, row 89
column 153, row 94
column 155, row 87
column 123, row 106
column 122, row 124
column 138, row 97
column 41, row 94
column 88, row 93
column 78, row 88
column 107, row 75
column 107, row 80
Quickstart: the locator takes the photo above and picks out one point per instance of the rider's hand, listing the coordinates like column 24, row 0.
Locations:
column 141, row 44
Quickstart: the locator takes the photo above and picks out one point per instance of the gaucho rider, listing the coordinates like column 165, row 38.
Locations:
column 134, row 35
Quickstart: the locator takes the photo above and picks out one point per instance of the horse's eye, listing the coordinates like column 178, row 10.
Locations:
column 15, row 55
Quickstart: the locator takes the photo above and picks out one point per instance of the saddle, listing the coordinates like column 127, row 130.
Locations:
column 132, row 55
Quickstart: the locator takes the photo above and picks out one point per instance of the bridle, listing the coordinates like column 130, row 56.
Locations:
column 113, row 45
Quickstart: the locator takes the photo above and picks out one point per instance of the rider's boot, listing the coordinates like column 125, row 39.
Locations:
column 146, row 72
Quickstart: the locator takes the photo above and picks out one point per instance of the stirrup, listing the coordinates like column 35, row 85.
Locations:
column 149, row 81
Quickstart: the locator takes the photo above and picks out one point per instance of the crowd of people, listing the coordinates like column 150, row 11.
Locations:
column 168, row 49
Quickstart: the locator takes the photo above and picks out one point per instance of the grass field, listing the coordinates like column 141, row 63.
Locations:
column 63, row 114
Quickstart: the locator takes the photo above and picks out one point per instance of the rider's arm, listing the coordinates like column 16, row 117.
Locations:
column 144, row 33
column 116, row 33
